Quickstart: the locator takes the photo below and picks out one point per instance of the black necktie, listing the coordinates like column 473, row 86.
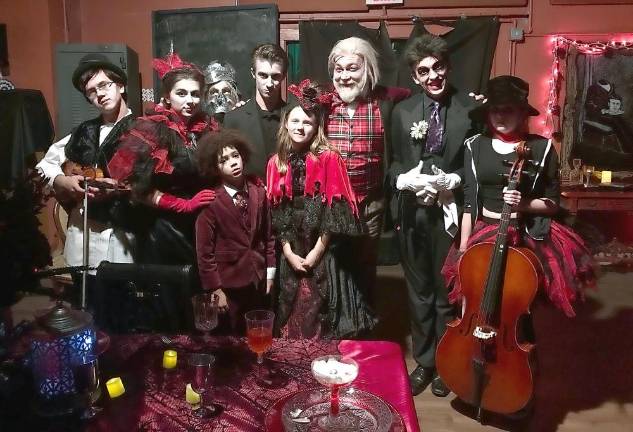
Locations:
column 435, row 132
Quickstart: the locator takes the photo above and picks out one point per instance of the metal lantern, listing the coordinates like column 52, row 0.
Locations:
column 63, row 336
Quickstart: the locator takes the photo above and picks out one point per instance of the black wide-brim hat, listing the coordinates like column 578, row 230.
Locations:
column 96, row 61
column 504, row 90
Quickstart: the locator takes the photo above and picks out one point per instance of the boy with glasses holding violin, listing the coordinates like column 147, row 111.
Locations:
column 91, row 145
column 427, row 135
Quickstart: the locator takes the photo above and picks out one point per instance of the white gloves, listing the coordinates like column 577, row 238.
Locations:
column 445, row 181
column 414, row 181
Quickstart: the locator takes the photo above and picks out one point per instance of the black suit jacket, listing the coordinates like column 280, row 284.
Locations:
column 246, row 119
column 407, row 151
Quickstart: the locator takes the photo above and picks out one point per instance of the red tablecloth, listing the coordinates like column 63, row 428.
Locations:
column 155, row 399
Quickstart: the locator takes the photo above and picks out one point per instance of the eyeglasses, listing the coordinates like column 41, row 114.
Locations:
column 102, row 86
column 438, row 67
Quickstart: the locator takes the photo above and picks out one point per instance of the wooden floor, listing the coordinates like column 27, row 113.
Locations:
column 585, row 364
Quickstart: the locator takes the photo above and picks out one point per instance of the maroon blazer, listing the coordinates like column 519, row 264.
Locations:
column 230, row 255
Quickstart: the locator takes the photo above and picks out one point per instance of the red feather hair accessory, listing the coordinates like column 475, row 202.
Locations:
column 169, row 63
column 310, row 95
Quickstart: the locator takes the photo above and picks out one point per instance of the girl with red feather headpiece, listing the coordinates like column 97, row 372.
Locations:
column 156, row 158
column 314, row 210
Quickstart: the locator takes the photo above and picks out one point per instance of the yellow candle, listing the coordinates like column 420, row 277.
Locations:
column 170, row 358
column 115, row 387
column 606, row 177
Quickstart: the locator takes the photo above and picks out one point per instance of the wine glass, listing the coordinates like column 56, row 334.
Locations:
column 200, row 368
column 205, row 312
column 335, row 371
column 259, row 331
column 86, row 376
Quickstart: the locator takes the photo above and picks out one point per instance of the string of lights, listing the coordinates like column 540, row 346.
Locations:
column 560, row 46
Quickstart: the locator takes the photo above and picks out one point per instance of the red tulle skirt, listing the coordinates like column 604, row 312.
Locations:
column 567, row 264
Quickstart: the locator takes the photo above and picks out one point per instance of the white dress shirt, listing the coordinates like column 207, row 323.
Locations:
column 105, row 243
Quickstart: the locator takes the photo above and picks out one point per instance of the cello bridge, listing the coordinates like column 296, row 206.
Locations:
column 484, row 333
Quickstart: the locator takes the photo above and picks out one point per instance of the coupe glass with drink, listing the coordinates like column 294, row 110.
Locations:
column 205, row 312
column 335, row 371
column 200, row 369
column 86, row 376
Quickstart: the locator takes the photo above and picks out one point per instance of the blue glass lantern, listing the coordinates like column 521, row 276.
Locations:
column 63, row 335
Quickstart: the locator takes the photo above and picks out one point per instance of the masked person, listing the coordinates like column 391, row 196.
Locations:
column 428, row 130
column 92, row 144
column 221, row 93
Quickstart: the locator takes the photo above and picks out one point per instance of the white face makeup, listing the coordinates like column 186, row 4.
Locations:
column 184, row 97
column 103, row 93
column 349, row 77
column 301, row 127
column 430, row 74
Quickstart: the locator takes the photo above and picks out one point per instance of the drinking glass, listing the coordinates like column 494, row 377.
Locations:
column 259, row 331
column 200, row 369
column 576, row 173
column 589, row 169
column 86, row 376
column 205, row 312
column 335, row 371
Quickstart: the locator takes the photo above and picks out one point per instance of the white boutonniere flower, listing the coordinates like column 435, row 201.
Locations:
column 419, row 129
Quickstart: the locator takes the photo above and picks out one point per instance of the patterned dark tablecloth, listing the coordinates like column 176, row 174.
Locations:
column 155, row 398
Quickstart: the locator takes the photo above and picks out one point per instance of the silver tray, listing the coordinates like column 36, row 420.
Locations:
column 364, row 411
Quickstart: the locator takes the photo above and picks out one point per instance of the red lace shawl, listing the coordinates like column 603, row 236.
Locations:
column 327, row 169
column 144, row 137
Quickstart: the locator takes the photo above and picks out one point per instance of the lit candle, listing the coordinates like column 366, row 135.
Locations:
column 606, row 177
column 170, row 358
column 115, row 387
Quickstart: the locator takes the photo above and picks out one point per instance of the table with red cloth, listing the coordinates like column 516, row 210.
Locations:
column 155, row 398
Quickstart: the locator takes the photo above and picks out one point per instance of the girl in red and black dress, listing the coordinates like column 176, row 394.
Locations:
column 314, row 209
column 566, row 261
column 157, row 158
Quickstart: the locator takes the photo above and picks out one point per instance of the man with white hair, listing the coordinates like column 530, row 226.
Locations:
column 356, row 126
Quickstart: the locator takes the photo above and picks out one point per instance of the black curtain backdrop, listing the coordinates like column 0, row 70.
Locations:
column 472, row 43
column 318, row 37
column 25, row 127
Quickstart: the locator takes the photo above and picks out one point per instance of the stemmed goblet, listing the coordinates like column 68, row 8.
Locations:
column 259, row 333
column 86, row 376
column 200, row 368
column 335, row 371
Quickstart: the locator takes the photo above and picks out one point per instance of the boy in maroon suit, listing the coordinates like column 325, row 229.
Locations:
column 234, row 244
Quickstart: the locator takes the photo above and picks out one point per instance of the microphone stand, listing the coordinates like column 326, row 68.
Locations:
column 86, row 236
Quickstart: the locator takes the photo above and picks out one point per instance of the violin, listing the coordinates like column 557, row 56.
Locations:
column 93, row 175
column 479, row 357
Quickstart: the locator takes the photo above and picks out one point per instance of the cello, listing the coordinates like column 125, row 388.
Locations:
column 479, row 357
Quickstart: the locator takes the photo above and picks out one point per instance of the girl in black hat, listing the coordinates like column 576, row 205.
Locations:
column 566, row 261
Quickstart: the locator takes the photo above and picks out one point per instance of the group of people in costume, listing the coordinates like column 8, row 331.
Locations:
column 284, row 203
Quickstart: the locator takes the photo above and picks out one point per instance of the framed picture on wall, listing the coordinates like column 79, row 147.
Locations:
column 598, row 123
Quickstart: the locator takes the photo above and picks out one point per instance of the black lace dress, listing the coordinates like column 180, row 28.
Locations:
column 326, row 302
